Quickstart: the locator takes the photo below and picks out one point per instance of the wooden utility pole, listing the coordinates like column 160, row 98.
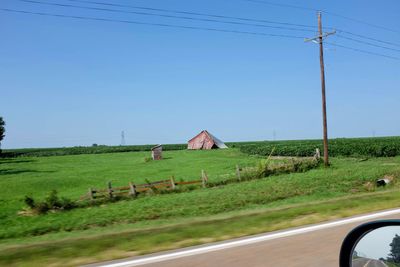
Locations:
column 320, row 40
column 322, row 66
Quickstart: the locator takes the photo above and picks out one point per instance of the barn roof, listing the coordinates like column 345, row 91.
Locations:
column 217, row 141
column 157, row 146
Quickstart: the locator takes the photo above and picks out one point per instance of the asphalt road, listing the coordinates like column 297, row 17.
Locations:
column 311, row 246
column 364, row 262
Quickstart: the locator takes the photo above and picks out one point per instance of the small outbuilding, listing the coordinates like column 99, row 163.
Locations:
column 205, row 140
column 156, row 152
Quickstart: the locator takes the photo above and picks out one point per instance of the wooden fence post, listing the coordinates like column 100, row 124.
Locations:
column 173, row 186
column 110, row 191
column 238, row 173
column 90, row 193
column 204, row 178
column 132, row 191
column 317, row 155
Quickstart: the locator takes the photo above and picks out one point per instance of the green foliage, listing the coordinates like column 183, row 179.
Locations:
column 394, row 255
column 371, row 147
column 355, row 147
column 147, row 159
column 78, row 150
column 30, row 202
column 266, row 167
column 2, row 129
column 51, row 202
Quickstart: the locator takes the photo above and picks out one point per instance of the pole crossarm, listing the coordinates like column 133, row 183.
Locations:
column 319, row 37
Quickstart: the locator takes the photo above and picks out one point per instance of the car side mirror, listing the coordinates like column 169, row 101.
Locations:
column 373, row 244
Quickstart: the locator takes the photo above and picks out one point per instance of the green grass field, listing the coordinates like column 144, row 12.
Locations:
column 284, row 199
column 71, row 176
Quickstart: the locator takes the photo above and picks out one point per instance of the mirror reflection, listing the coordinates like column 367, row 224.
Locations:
column 378, row 248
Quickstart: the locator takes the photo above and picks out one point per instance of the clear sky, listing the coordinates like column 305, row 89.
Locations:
column 376, row 244
column 67, row 82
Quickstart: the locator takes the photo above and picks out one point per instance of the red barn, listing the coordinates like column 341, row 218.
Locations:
column 205, row 140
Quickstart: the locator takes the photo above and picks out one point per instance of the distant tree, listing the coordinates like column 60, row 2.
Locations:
column 394, row 255
column 2, row 130
column 355, row 254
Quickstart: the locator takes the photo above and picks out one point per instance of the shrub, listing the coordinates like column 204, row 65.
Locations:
column 41, row 208
column 30, row 202
column 267, row 168
column 51, row 202
column 67, row 203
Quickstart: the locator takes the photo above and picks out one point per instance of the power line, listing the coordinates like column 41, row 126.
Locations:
column 193, row 13
column 149, row 24
column 122, row 138
column 363, row 51
column 361, row 22
column 166, row 16
column 230, row 17
column 333, row 14
column 281, row 5
column 368, row 38
column 367, row 43
column 325, row 12
column 183, row 27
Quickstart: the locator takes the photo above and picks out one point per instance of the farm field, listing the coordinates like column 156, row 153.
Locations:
column 71, row 176
column 354, row 147
column 368, row 146
column 175, row 219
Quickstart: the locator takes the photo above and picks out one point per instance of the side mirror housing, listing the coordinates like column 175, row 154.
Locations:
column 372, row 244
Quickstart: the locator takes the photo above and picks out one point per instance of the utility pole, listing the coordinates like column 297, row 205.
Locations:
column 320, row 40
column 122, row 138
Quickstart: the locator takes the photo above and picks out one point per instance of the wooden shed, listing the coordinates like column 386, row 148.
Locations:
column 205, row 140
column 156, row 152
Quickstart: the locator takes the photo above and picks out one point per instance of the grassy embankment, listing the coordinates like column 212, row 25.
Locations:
column 173, row 220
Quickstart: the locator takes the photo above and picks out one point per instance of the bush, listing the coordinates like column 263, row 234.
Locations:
column 147, row 159
column 30, row 202
column 267, row 168
column 67, row 203
column 51, row 202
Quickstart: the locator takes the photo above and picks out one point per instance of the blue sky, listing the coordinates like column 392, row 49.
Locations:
column 67, row 82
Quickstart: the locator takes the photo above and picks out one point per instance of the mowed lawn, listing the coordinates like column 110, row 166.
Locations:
column 279, row 201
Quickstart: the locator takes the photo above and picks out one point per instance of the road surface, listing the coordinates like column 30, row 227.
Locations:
column 364, row 262
column 310, row 246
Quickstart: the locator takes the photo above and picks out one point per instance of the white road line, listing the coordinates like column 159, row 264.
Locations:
column 365, row 265
column 247, row 241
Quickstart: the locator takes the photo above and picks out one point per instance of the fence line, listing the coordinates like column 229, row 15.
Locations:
column 240, row 174
column 134, row 189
